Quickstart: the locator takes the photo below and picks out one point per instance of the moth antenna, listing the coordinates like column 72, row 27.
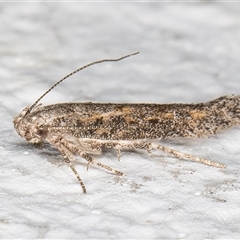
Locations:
column 70, row 74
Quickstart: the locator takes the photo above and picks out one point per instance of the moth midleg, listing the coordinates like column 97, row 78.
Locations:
column 131, row 145
column 87, row 157
column 91, row 160
column 115, row 146
column 119, row 145
column 148, row 146
column 67, row 155
column 119, row 154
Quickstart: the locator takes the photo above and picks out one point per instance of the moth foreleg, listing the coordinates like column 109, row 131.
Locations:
column 85, row 155
column 67, row 155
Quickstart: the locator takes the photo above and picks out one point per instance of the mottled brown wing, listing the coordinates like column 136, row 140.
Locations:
column 107, row 121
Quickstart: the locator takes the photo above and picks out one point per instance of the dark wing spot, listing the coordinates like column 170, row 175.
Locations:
column 153, row 120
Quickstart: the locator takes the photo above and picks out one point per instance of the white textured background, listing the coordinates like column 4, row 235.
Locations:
column 190, row 52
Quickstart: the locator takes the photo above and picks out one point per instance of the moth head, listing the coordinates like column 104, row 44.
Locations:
column 25, row 127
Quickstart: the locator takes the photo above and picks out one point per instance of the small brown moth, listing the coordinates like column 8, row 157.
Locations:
column 85, row 129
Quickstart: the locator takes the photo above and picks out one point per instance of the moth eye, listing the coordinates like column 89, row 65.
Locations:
column 42, row 133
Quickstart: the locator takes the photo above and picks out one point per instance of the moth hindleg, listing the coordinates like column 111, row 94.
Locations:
column 186, row 156
column 145, row 145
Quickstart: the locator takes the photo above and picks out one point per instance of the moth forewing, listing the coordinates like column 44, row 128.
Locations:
column 85, row 128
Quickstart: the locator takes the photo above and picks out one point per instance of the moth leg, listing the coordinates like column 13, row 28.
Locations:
column 75, row 172
column 67, row 155
column 118, row 154
column 119, row 146
column 92, row 160
column 87, row 157
column 115, row 146
column 151, row 146
column 186, row 156
column 149, row 152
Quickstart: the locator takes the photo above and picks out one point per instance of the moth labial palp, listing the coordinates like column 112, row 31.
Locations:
column 84, row 129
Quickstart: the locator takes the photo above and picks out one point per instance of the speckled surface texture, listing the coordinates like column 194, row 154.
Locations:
column 190, row 53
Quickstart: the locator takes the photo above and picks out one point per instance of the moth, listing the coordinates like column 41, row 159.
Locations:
column 84, row 129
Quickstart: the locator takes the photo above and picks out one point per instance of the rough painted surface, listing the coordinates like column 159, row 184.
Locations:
column 189, row 53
